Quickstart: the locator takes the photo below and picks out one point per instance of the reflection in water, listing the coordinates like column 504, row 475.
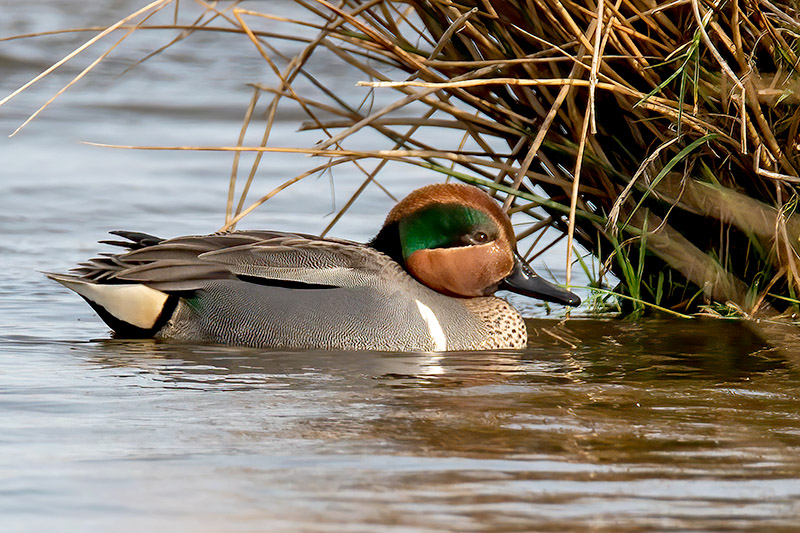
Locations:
column 632, row 428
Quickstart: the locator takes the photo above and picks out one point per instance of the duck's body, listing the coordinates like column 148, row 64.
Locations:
column 285, row 290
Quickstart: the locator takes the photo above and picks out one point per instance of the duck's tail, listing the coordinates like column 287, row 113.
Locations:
column 130, row 309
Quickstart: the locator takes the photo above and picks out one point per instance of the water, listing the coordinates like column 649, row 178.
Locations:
column 604, row 424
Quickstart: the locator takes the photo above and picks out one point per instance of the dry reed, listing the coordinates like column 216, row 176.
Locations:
column 663, row 137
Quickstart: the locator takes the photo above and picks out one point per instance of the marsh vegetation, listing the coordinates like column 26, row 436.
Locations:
column 660, row 137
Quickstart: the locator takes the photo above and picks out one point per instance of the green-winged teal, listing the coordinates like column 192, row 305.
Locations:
column 425, row 282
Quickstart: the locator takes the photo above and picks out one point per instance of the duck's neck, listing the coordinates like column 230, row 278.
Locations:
column 387, row 241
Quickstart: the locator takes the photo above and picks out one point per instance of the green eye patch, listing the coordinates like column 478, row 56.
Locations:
column 442, row 226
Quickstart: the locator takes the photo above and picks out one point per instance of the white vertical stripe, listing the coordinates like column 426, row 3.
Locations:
column 434, row 328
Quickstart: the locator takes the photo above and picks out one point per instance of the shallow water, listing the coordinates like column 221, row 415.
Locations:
column 604, row 424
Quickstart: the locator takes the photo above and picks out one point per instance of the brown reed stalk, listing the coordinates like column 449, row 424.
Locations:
column 664, row 132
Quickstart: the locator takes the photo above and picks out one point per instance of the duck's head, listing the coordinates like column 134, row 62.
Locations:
column 457, row 240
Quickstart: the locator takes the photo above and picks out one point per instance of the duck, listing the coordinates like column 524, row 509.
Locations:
column 424, row 283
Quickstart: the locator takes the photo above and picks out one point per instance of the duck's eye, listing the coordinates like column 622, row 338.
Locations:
column 480, row 237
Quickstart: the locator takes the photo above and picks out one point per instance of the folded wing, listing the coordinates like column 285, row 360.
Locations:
column 263, row 257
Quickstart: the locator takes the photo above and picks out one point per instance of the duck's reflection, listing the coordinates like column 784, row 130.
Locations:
column 576, row 351
column 628, row 392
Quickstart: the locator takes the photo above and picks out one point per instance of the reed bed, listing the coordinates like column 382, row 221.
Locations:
column 660, row 136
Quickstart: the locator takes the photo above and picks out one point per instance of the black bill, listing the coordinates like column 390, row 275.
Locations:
column 523, row 280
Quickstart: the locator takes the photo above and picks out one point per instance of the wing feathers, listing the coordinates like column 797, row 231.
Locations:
column 187, row 275
column 188, row 263
column 318, row 262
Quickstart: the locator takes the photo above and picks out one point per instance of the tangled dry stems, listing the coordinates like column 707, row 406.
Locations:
column 630, row 126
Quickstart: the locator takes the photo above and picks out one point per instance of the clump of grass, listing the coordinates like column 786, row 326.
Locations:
column 671, row 127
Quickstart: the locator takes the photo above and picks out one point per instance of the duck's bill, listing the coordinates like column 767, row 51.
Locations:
column 523, row 280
